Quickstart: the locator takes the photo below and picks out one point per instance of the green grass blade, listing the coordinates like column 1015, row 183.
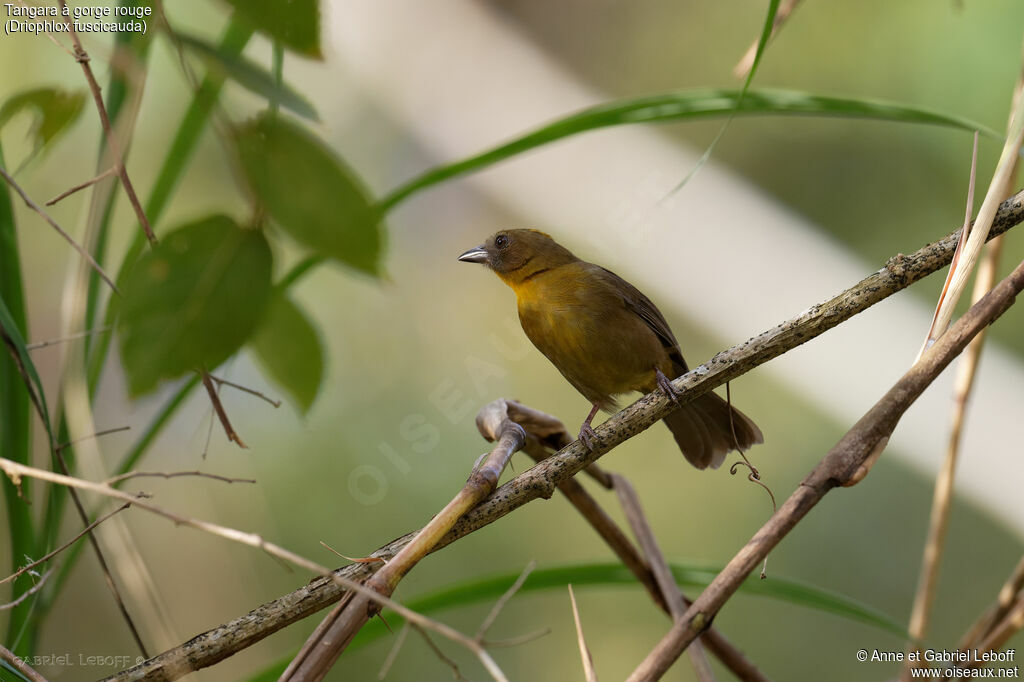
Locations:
column 762, row 42
column 604, row 575
column 683, row 106
column 15, row 440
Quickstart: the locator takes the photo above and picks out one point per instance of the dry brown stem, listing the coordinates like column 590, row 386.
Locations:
column 841, row 462
column 20, row 665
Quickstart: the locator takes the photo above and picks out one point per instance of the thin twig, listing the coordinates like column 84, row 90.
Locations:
column 64, row 339
column 78, row 188
column 82, row 57
column 358, row 560
column 20, row 665
column 393, row 653
column 16, row 471
column 456, row 673
column 246, row 389
column 104, row 432
column 588, row 661
column 60, row 230
column 542, row 480
column 37, row 562
column 27, row 593
column 500, row 604
column 841, row 462
column 175, row 474
column 108, row 576
column 516, row 641
column 218, row 407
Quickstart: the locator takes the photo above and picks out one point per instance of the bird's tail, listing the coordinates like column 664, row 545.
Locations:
column 704, row 431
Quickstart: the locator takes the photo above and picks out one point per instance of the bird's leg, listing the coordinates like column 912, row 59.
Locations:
column 666, row 385
column 587, row 435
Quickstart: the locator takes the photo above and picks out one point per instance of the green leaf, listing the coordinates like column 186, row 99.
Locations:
column 249, row 75
column 14, row 345
column 193, row 301
column 681, row 106
column 309, row 192
column 690, row 575
column 55, row 110
column 15, row 430
column 490, row 589
column 289, row 348
column 295, row 23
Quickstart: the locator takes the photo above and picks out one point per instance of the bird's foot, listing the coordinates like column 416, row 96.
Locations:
column 666, row 385
column 588, row 437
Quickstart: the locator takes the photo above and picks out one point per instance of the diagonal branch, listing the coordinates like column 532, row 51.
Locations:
column 842, row 463
column 60, row 230
column 82, row 57
column 541, row 481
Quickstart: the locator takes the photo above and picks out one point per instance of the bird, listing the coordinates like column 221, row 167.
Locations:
column 607, row 339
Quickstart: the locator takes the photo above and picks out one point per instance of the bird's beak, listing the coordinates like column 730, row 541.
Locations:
column 475, row 255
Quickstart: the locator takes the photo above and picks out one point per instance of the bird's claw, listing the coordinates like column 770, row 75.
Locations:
column 588, row 437
column 666, row 385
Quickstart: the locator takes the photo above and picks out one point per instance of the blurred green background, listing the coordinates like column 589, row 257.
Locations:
column 398, row 349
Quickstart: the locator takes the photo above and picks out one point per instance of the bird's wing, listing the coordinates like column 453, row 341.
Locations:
column 648, row 312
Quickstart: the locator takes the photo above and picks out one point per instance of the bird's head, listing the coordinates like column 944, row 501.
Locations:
column 517, row 254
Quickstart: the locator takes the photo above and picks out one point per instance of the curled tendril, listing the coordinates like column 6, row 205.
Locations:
column 754, row 476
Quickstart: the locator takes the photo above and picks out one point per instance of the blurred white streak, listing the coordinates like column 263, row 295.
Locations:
column 460, row 80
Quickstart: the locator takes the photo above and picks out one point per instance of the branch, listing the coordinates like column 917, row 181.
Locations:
column 333, row 635
column 841, row 464
column 67, row 544
column 174, row 474
column 79, row 187
column 27, row 593
column 901, row 271
column 20, row 665
column 218, row 407
column 60, row 230
column 82, row 57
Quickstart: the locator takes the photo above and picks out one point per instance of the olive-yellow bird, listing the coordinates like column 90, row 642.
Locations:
column 607, row 338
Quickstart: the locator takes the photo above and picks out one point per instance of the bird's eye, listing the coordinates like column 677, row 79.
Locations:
column 501, row 241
